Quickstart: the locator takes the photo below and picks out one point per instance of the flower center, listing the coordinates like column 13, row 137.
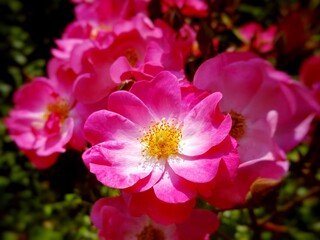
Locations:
column 161, row 140
column 149, row 232
column 60, row 108
column 132, row 56
column 238, row 125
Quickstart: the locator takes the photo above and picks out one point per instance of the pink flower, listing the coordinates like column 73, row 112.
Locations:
column 258, row 39
column 270, row 113
column 309, row 75
column 100, row 70
column 105, row 61
column 144, row 140
column 114, row 221
column 98, row 20
column 109, row 11
column 157, row 210
column 151, row 49
column 46, row 119
column 178, row 44
column 189, row 8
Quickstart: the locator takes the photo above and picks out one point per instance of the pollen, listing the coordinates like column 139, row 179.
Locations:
column 238, row 125
column 161, row 140
column 60, row 107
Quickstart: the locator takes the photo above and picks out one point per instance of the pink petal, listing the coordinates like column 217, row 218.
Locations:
column 119, row 67
column 263, row 145
column 148, row 182
column 196, row 170
column 34, row 96
column 41, row 162
column 208, row 76
column 232, row 194
column 199, row 225
column 173, row 189
column 90, row 88
column 57, row 141
column 116, row 164
column 204, row 168
column 204, row 127
column 159, row 211
column 111, row 218
column 104, row 125
column 242, row 78
column 129, row 106
column 161, row 95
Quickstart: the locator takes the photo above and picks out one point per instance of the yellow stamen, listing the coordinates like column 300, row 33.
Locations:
column 161, row 140
column 60, row 107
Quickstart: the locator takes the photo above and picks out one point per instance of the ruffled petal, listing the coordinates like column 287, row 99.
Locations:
column 196, row 170
column 116, row 164
column 234, row 193
column 129, row 106
column 173, row 189
column 204, row 127
column 104, row 125
column 161, row 95
column 159, row 211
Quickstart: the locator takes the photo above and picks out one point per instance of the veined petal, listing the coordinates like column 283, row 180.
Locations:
column 104, row 125
column 204, row 126
column 161, row 95
column 204, row 168
column 149, row 181
column 129, row 106
column 117, row 164
column 173, row 189
column 196, row 170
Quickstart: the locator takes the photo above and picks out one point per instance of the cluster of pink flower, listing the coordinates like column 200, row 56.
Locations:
column 117, row 82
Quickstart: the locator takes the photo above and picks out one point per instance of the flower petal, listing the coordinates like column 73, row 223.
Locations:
column 129, row 106
column 173, row 189
column 196, row 170
column 204, row 126
column 148, row 182
column 234, row 193
column 104, row 125
column 204, row 168
column 199, row 225
column 116, row 164
column 159, row 211
column 161, row 95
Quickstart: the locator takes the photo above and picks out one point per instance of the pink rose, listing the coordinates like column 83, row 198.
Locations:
column 146, row 140
column 258, row 39
column 46, row 118
column 40, row 122
column 309, row 75
column 271, row 113
column 190, row 8
column 114, row 221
